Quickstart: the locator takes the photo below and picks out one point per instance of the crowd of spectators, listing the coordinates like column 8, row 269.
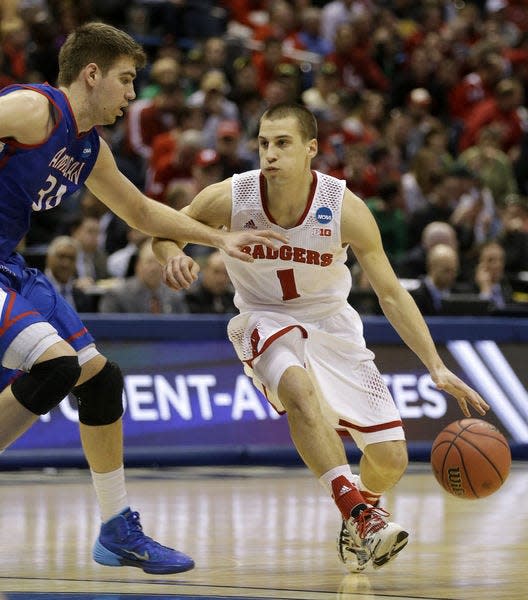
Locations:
column 421, row 108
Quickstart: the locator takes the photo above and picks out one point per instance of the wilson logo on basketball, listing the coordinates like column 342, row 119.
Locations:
column 455, row 482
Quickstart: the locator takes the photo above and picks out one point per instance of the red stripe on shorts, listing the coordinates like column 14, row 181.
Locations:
column 272, row 338
column 371, row 428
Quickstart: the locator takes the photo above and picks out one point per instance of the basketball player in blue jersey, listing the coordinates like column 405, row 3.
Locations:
column 49, row 147
column 300, row 340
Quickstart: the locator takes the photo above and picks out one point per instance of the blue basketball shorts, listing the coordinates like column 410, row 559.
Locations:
column 29, row 305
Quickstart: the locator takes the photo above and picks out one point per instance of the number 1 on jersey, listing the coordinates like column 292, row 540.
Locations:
column 287, row 281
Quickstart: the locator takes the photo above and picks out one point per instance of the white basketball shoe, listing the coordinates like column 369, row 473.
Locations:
column 355, row 558
column 382, row 539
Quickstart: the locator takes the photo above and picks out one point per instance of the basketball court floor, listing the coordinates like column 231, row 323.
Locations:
column 266, row 533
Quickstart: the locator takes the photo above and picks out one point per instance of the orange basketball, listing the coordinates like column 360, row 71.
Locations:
column 470, row 458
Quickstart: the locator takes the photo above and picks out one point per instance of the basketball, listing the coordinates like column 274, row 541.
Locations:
column 470, row 458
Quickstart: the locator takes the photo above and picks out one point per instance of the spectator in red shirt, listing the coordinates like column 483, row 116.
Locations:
column 355, row 64
column 503, row 110
column 148, row 118
column 476, row 86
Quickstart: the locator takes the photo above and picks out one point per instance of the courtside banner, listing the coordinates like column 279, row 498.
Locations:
column 182, row 394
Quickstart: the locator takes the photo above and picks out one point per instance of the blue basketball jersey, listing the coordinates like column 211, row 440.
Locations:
column 38, row 177
column 34, row 178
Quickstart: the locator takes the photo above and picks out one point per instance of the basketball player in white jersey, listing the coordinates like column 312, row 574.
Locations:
column 300, row 340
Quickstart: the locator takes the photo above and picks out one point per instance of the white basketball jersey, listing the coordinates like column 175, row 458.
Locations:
column 307, row 278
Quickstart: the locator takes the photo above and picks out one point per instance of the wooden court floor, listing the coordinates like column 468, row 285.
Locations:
column 259, row 533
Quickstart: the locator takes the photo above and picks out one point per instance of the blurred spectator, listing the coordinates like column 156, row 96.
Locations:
column 175, row 156
column 419, row 73
column 122, row 262
column 503, row 110
column 165, row 71
column 413, row 263
column 42, row 52
column 228, row 136
column 387, row 210
column 354, row 63
column 339, row 11
column 437, row 140
column 266, row 60
column 309, row 35
column 493, row 166
column 91, row 259
column 397, row 127
column 148, row 118
column 212, row 293
column 144, row 292
column 212, row 99
column 14, row 41
column 442, row 265
column 214, row 53
column 245, row 81
column 490, row 278
column 441, row 202
column 281, row 22
column 514, row 234
column 425, row 171
column 289, row 75
column 61, row 259
column 323, row 94
column 193, row 69
column 476, row 86
column 112, row 229
column 475, row 216
column 207, row 169
column 418, row 107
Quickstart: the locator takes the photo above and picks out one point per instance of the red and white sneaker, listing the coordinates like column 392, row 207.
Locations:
column 355, row 558
column 382, row 539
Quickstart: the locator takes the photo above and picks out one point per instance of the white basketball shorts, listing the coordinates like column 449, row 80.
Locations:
column 352, row 393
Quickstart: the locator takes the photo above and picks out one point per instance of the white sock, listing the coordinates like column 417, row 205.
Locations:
column 343, row 470
column 111, row 492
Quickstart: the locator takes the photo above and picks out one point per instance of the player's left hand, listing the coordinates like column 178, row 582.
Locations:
column 180, row 271
column 234, row 241
column 465, row 396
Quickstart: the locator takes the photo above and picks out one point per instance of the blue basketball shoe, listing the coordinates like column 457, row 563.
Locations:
column 122, row 543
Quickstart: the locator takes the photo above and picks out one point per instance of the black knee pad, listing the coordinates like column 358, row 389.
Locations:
column 46, row 384
column 101, row 397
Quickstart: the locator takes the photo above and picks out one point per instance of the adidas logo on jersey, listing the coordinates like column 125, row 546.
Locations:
column 250, row 224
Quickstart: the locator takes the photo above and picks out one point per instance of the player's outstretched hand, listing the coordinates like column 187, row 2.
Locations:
column 235, row 241
column 180, row 271
column 464, row 395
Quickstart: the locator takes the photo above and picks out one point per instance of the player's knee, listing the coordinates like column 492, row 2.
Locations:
column 101, row 397
column 390, row 459
column 297, row 393
column 46, row 384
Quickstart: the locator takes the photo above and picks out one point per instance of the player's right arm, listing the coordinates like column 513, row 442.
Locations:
column 211, row 206
column 25, row 117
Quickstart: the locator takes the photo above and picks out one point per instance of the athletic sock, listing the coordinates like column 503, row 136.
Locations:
column 326, row 478
column 111, row 492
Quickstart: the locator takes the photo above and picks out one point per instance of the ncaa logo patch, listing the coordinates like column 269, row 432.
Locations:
column 323, row 215
column 87, row 150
